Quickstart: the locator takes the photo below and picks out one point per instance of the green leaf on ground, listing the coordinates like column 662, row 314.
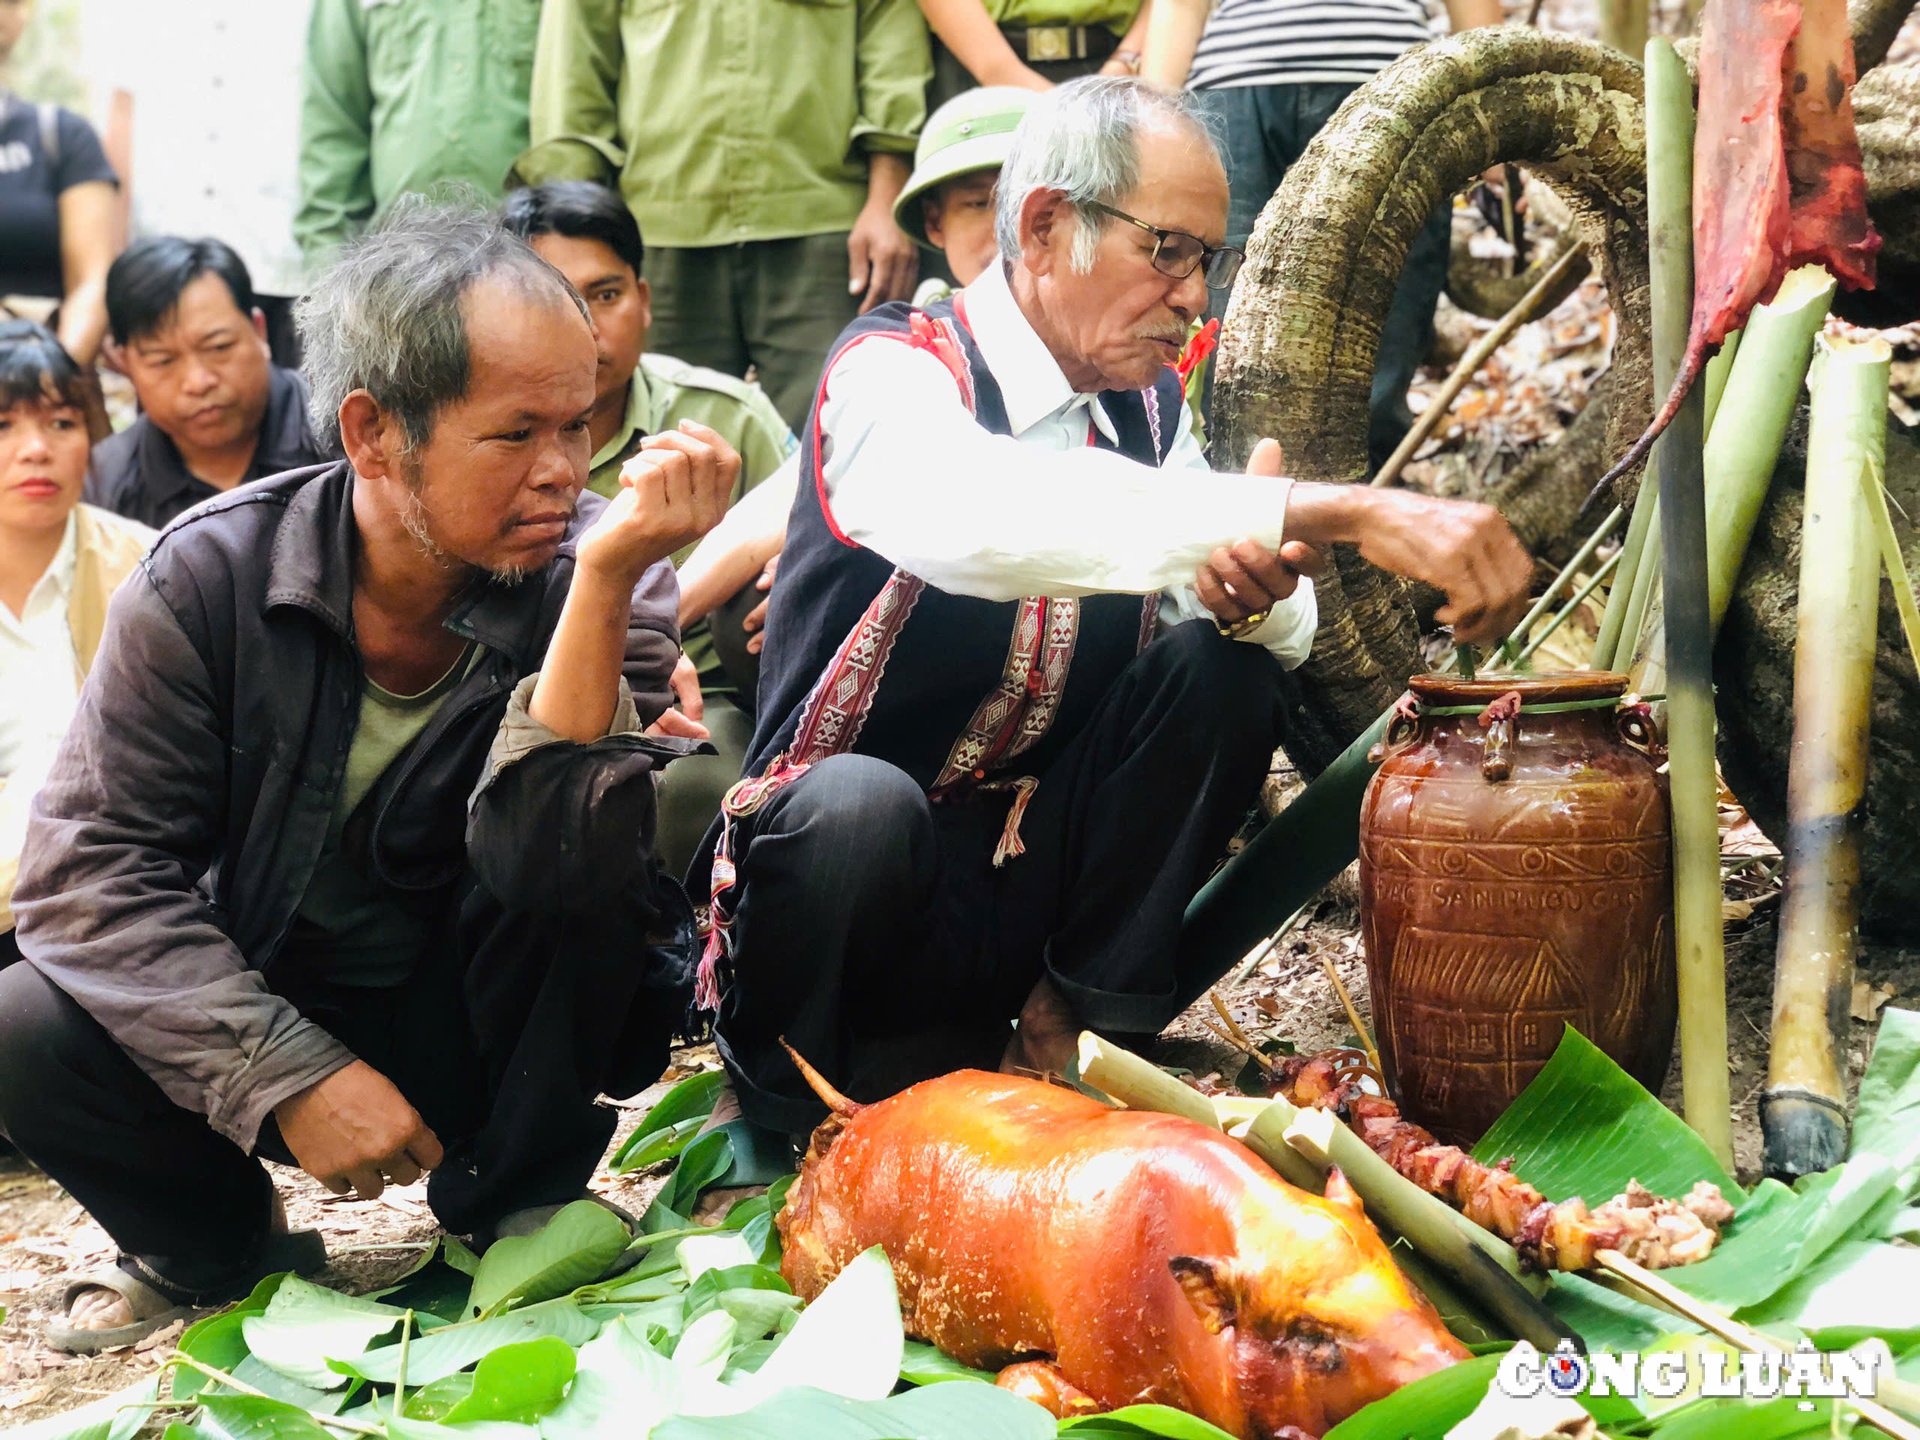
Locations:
column 692, row 1100
column 655, row 1147
column 253, row 1417
column 1858, row 1289
column 217, row 1339
column 306, row 1325
column 922, row 1364
column 1138, row 1420
column 1585, row 1127
column 935, row 1412
column 432, row 1402
column 454, row 1347
column 574, row 1248
column 1886, row 1121
column 518, row 1383
column 849, row 1341
column 701, row 1164
column 623, row 1387
column 1424, row 1410
column 1762, row 1253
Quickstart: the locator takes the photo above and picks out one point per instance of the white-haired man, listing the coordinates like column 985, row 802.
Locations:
column 1019, row 681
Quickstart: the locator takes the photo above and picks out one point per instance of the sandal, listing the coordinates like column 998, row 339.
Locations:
column 156, row 1302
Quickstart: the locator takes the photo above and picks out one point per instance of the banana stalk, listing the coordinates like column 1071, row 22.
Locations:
column 1803, row 1113
column 1698, row 936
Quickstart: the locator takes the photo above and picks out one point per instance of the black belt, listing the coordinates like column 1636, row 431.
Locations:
column 1041, row 44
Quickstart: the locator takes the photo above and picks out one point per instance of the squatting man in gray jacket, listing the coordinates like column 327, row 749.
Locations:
column 259, row 914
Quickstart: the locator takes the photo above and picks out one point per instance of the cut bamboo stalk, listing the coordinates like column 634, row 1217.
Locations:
column 1474, row 1259
column 1766, row 380
column 1803, row 1114
column 1574, row 602
column 1693, row 785
column 1716, row 376
column 1742, row 1337
column 1139, row 1084
column 1593, row 542
column 1469, row 366
column 1633, row 552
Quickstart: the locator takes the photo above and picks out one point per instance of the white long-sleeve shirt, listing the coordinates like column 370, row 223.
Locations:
column 911, row 475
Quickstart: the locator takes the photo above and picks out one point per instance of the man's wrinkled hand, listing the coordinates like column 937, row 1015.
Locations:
column 355, row 1131
column 672, row 492
column 1467, row 551
column 882, row 263
column 1245, row 578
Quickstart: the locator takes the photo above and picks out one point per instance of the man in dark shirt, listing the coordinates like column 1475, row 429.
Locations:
column 217, row 411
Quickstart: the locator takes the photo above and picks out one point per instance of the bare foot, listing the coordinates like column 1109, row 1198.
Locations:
column 1048, row 1037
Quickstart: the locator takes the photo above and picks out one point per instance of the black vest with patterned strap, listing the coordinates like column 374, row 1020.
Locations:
column 972, row 689
column 863, row 657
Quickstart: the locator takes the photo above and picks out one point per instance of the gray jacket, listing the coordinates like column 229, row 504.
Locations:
column 176, row 836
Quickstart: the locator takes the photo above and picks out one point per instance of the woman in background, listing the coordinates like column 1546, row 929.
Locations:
column 59, row 229
column 59, row 562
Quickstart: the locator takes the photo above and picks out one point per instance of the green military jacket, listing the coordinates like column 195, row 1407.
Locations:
column 401, row 96
column 724, row 121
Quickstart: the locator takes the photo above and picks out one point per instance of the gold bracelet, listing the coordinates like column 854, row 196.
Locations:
column 1246, row 625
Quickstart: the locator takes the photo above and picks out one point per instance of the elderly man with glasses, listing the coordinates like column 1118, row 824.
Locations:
column 1021, row 675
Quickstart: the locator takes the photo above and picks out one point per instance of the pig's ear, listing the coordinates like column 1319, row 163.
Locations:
column 1211, row 1287
column 1340, row 1192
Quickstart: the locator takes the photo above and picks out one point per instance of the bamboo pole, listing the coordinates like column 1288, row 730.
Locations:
column 1698, row 936
column 1593, row 542
column 1574, row 602
column 1139, row 1084
column 1765, row 380
column 1803, row 1114
column 1716, row 375
column 1470, row 364
column 1633, row 564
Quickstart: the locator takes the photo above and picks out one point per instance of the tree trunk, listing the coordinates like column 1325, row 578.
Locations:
column 1297, row 355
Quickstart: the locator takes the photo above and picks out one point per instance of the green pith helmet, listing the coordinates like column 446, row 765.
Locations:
column 971, row 132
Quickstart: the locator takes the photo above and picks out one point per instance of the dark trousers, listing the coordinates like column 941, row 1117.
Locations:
column 1266, row 128
column 775, row 306
column 501, row 1040
column 873, row 932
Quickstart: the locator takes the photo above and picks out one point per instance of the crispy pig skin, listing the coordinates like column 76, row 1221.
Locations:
column 1148, row 1257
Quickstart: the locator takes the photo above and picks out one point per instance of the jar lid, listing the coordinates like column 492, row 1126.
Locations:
column 1542, row 688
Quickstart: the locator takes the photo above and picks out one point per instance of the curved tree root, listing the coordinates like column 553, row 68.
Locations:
column 1298, row 348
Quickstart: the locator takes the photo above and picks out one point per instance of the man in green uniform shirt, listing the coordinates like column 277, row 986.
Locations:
column 760, row 144
column 1032, row 44
column 404, row 95
column 585, row 232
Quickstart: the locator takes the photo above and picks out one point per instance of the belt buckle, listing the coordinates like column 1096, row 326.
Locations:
column 1049, row 42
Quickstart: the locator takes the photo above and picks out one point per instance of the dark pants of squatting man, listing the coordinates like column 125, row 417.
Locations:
column 873, row 932
column 501, row 1039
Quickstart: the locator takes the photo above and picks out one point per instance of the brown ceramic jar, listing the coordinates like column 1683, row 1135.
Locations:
column 1515, row 879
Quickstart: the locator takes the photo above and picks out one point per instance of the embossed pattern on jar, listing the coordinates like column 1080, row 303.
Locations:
column 1515, row 878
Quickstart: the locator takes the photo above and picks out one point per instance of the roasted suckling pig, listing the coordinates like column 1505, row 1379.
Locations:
column 1102, row 1257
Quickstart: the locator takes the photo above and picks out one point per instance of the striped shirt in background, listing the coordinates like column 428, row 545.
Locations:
column 1300, row 42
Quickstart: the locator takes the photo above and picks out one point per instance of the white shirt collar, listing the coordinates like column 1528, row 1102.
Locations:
column 56, row 582
column 1031, row 381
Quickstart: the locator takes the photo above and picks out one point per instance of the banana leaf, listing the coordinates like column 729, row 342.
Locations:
column 1585, row 1127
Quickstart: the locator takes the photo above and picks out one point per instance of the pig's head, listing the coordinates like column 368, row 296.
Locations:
column 1321, row 1324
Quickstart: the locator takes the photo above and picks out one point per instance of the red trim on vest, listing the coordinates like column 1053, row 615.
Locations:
column 923, row 333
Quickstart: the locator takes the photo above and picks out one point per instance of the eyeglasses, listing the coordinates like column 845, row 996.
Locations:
column 1178, row 254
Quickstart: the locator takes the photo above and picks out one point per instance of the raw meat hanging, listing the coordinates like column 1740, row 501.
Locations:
column 1777, row 179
